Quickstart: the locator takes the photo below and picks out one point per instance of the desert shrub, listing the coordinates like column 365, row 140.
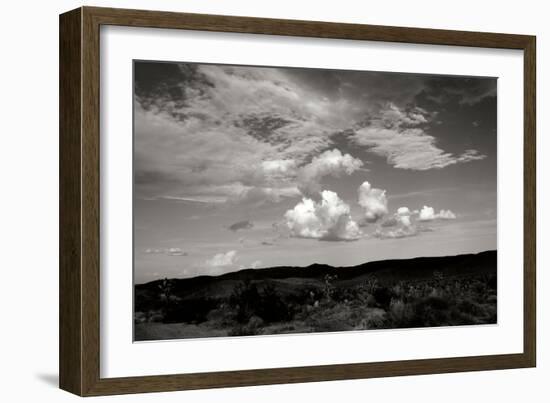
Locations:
column 268, row 305
column 252, row 327
column 246, row 300
column 147, row 300
column 471, row 308
column 140, row 317
column 398, row 290
column 272, row 308
column 431, row 311
column 401, row 314
column 370, row 301
column 155, row 316
column 190, row 310
column 222, row 315
column 383, row 296
column 364, row 293
column 479, row 287
column 288, row 328
column 344, row 294
column 437, row 303
column 372, row 318
column 330, row 318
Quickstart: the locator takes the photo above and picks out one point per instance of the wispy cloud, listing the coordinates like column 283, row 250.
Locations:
column 423, row 193
column 216, row 134
column 401, row 136
column 167, row 251
column 460, row 90
column 195, row 199
column 402, row 232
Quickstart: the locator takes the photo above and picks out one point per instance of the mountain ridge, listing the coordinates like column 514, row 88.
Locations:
column 417, row 267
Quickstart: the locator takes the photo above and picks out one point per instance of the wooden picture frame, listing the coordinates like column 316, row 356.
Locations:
column 79, row 346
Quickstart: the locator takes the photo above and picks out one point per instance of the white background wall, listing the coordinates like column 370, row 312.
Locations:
column 29, row 199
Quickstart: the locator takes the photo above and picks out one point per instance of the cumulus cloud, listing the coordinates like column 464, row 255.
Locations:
column 403, row 211
column 446, row 215
column 401, row 136
column 403, row 216
column 401, row 221
column 241, row 225
column 222, row 259
column 428, row 214
column 330, row 163
column 373, row 201
column 401, row 224
column 328, row 219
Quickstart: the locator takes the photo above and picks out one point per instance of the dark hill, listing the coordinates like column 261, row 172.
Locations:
column 287, row 278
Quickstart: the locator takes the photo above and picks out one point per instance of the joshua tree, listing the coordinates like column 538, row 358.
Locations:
column 165, row 288
column 371, row 283
column 329, row 286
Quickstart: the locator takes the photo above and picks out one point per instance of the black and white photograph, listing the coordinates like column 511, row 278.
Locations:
column 277, row 200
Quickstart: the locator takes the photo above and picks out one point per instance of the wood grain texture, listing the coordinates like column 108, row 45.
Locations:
column 530, row 202
column 70, row 273
column 90, row 202
column 80, row 201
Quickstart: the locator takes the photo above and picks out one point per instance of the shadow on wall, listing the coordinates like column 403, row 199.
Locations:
column 49, row 379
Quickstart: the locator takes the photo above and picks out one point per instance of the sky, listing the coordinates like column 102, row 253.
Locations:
column 252, row 167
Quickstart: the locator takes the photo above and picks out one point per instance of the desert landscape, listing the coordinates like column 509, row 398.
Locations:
column 409, row 293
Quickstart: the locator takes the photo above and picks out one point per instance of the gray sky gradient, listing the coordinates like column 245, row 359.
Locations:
column 238, row 167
